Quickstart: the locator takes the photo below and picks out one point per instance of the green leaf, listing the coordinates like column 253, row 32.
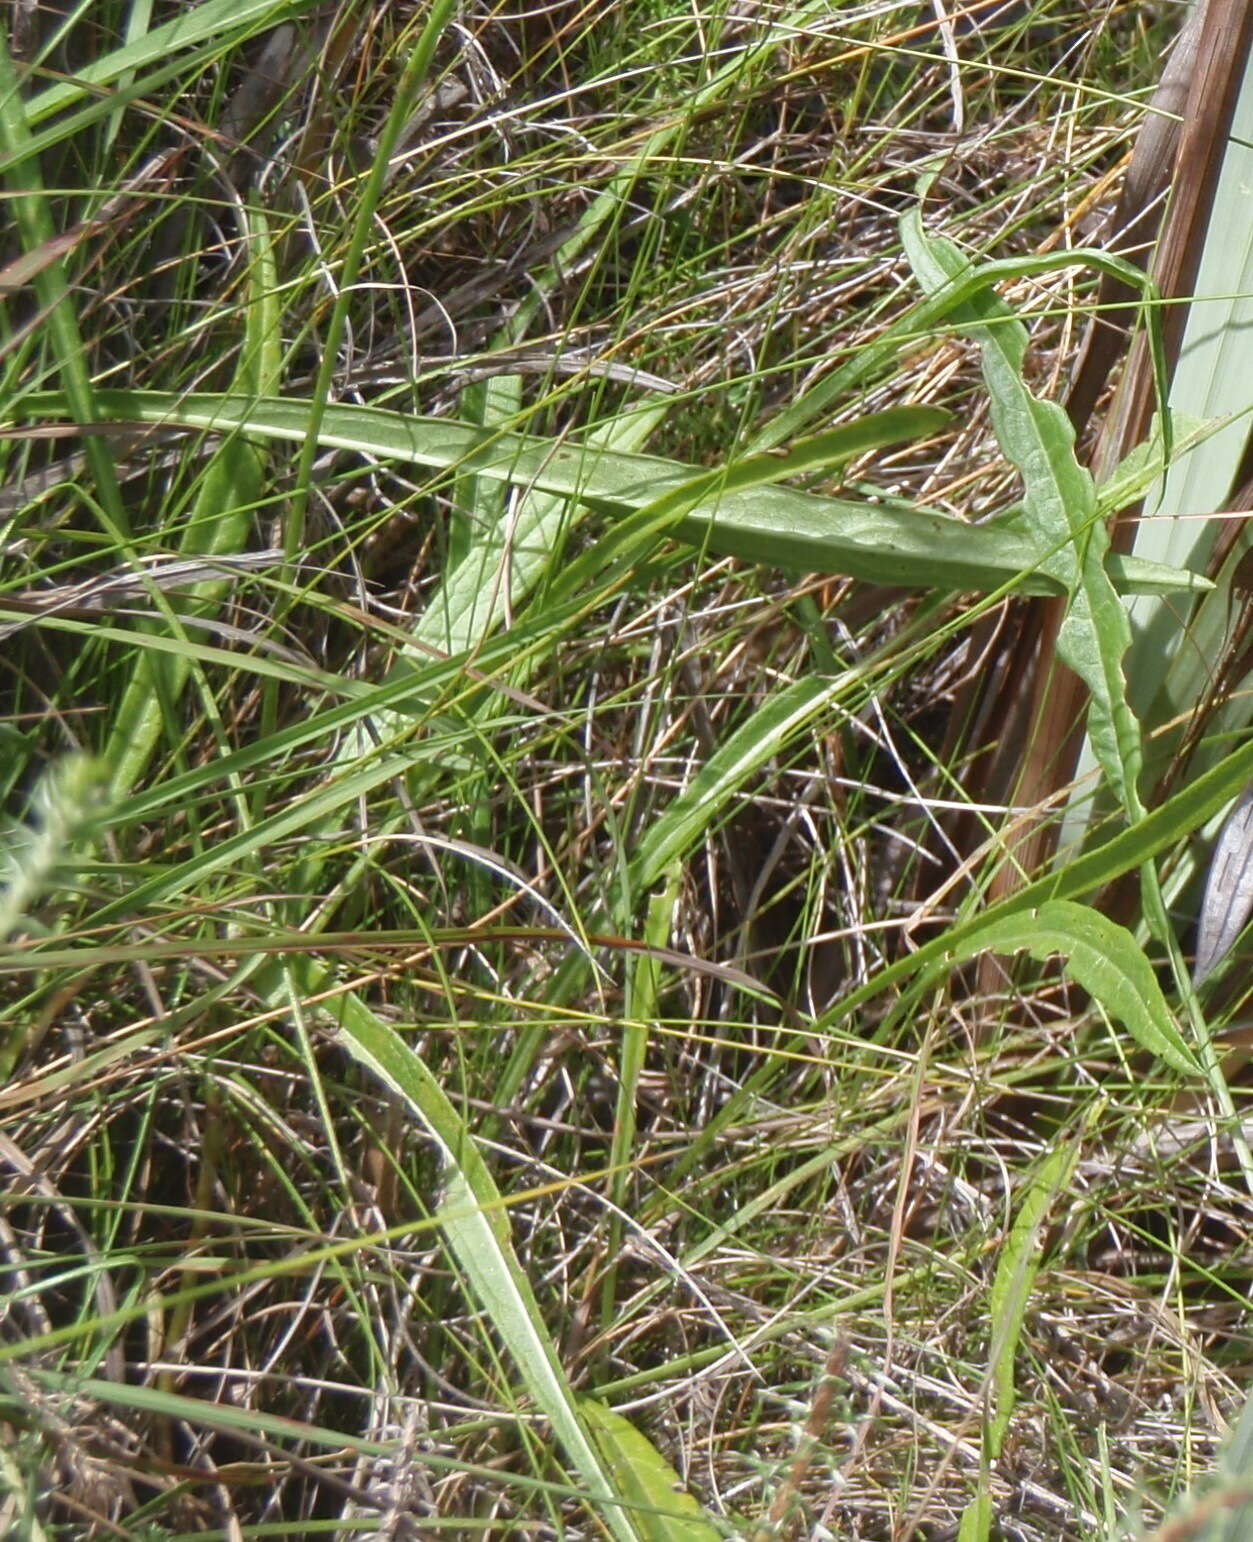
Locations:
column 781, row 526
column 976, row 1521
column 221, row 521
column 1102, row 957
column 1176, row 820
column 473, row 1219
column 874, row 359
column 1016, row 1270
column 685, row 820
column 663, row 1509
column 193, row 24
column 1059, row 510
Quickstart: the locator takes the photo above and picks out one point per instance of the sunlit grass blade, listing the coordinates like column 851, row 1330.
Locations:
column 663, row 1509
column 1017, row 1264
column 33, row 219
column 222, row 20
column 705, row 801
column 221, row 520
column 477, row 1229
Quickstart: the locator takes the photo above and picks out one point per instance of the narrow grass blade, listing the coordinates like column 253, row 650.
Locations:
column 705, row 800
column 643, row 986
column 871, row 361
column 1164, row 827
column 32, row 218
column 473, row 1220
column 1016, row 1269
column 221, row 519
column 308, row 814
column 976, row 1521
column 405, row 98
column 221, row 19
column 505, row 562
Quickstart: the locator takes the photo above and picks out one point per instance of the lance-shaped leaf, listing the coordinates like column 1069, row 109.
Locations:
column 1099, row 955
column 1059, row 508
column 739, row 511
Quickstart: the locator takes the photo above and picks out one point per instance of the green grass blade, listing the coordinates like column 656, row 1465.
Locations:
column 221, row 519
column 704, row 801
column 473, row 1220
column 504, row 564
column 921, row 321
column 662, row 1508
column 976, row 1521
column 225, row 20
column 1016, row 1269
column 404, row 101
column 33, row 220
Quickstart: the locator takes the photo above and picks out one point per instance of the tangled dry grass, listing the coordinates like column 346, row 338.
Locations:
column 229, row 1305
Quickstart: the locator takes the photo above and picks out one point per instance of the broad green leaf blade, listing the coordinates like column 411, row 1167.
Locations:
column 976, row 1521
column 1141, row 469
column 1170, row 666
column 781, row 526
column 1163, row 828
column 1059, row 509
column 1211, row 380
column 473, row 1219
column 663, row 1509
column 1140, row 575
column 1102, row 957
